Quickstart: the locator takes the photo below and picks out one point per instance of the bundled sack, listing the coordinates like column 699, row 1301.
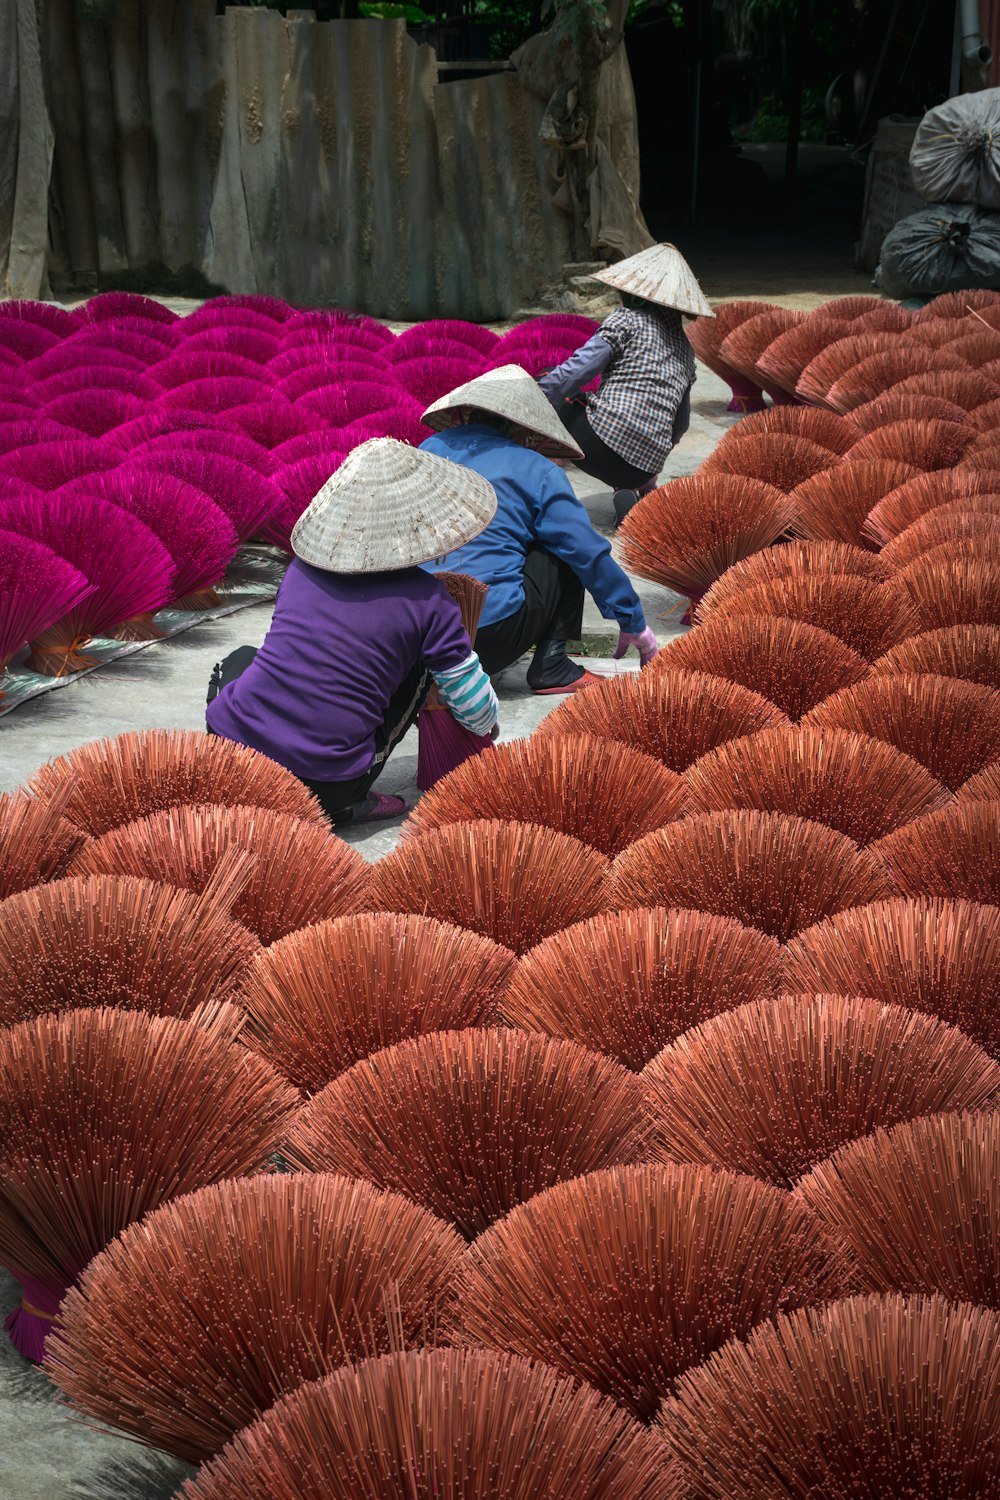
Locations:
column 946, row 247
column 955, row 157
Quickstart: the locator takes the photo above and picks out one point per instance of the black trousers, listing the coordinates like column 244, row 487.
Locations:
column 552, row 611
column 337, row 798
column 604, row 463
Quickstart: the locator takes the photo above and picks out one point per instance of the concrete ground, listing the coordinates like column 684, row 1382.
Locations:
column 44, row 1454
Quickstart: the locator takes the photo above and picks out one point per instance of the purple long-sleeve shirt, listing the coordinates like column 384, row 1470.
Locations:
column 338, row 648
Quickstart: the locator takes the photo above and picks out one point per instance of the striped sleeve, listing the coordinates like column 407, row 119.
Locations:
column 468, row 693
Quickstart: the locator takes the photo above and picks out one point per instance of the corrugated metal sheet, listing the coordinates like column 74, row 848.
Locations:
column 319, row 161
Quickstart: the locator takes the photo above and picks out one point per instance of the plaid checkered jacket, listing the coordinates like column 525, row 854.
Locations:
column 651, row 371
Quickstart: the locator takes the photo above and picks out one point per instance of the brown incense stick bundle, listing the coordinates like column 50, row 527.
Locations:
column 460, row 1424
column 969, row 516
column 835, row 358
column 785, row 358
column 910, row 406
column 954, row 852
column 881, row 372
column 768, row 870
column 674, row 716
column 36, row 841
column 950, row 726
column 602, row 793
column 792, row 560
column 301, row 873
column 778, row 1085
column 912, row 500
column 742, row 348
column 957, row 583
column 858, row 785
column 834, row 505
column 866, row 616
column 325, row 997
column 874, row 1396
column 822, row 427
column 513, row 882
column 924, row 444
column 194, row 1322
column 970, row 652
column 471, row 1123
column 120, row 942
column 627, row 1277
column 775, row 458
column 114, row 781
column 104, row 1115
column 792, row 664
column 928, row 953
column 964, row 387
column 628, row 982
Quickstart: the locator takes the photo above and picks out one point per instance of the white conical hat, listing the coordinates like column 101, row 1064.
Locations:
column 390, row 506
column 507, row 392
column 659, row 274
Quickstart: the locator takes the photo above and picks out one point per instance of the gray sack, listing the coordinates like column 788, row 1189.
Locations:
column 946, row 247
column 955, row 157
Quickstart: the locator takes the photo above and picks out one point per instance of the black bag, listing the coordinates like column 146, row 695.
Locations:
column 946, row 247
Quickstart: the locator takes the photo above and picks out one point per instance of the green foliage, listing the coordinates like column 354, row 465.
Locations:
column 770, row 123
column 386, row 11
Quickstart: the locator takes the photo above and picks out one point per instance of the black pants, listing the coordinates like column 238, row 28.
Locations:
column 604, row 463
column 337, row 798
column 552, row 611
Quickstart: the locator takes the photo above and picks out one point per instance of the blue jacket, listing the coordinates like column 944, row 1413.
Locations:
column 535, row 506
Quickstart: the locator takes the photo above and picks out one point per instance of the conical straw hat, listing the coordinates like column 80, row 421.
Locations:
column 659, row 274
column 511, row 393
column 390, row 506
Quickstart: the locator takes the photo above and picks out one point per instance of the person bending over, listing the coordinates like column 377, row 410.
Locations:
column 360, row 630
column 628, row 427
column 540, row 552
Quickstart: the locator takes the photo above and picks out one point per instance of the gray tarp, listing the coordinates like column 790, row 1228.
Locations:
column 955, row 157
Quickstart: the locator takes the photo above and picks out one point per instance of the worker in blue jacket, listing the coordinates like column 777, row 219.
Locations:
column 540, row 553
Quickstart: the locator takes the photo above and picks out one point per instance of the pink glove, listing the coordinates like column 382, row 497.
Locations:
column 644, row 643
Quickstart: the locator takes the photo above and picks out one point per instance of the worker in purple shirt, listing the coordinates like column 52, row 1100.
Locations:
column 360, row 630
column 540, row 553
column 628, row 427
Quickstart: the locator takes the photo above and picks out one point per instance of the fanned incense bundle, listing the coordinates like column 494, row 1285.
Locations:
column 885, row 317
column 190, row 365
column 984, row 453
column 964, row 387
column 236, row 309
column 48, row 315
column 835, row 359
column 50, row 464
column 674, row 716
column 886, row 371
column 916, row 497
column 916, row 1206
column 120, row 942
column 249, row 343
column 790, row 560
column 301, row 872
column 705, row 335
column 785, row 358
column 38, row 588
column 323, row 998
column 95, row 411
column 194, row 1322
column 775, row 459
column 956, row 583
column 824, row 428
column 906, row 407
column 267, row 424
column 860, row 786
column 428, row 377
column 928, row 953
column 471, row 1123
column 768, row 870
column 433, row 333
column 602, row 793
column 957, row 304
column 971, row 652
column 218, row 393
column 628, row 1276
column 514, row 882
column 985, row 418
column 924, row 444
column 743, row 348
column 116, row 780
column 978, row 347
column 130, row 571
column 443, row 742
column 104, row 1115
column 984, row 787
column 114, row 306
column 955, row 520
column 778, row 1085
column 247, row 498
column 36, row 842
column 868, row 617
column 954, row 852
column 850, row 309
column 688, row 532
column 792, row 664
column 950, row 726
column 628, row 982
column 459, row 1424
column 834, row 505
column 873, row 1396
